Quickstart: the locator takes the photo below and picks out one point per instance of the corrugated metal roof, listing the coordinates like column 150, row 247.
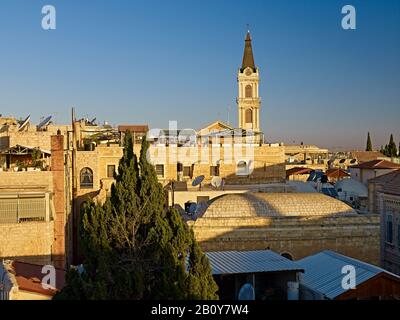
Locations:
column 323, row 272
column 233, row 262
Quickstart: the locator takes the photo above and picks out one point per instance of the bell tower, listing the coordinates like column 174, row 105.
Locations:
column 248, row 99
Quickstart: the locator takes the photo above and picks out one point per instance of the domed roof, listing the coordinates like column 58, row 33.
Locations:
column 352, row 186
column 301, row 186
column 275, row 205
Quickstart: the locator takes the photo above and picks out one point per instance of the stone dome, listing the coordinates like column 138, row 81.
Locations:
column 276, row 205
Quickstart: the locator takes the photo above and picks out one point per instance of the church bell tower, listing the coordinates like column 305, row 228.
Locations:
column 248, row 99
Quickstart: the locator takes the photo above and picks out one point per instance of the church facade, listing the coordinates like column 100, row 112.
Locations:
column 238, row 155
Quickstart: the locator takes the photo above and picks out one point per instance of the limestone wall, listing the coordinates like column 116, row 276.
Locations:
column 97, row 161
column 28, row 242
column 26, row 180
column 267, row 162
column 355, row 236
column 32, row 137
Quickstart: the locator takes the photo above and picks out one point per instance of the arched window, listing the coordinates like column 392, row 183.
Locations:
column 86, row 178
column 248, row 91
column 287, row 255
column 249, row 116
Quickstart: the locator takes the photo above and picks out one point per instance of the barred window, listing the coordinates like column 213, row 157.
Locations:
column 398, row 236
column 110, row 170
column 187, row 171
column 160, row 170
column 389, row 229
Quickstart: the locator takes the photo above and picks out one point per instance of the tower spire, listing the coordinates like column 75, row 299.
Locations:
column 248, row 58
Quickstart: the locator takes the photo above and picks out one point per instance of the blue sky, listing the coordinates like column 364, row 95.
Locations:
column 154, row 61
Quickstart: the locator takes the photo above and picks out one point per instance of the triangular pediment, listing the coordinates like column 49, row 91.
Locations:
column 215, row 126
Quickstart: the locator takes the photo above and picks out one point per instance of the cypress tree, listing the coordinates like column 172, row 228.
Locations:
column 392, row 148
column 136, row 248
column 369, row 143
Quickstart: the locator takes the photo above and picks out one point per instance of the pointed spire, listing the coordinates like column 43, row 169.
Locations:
column 248, row 58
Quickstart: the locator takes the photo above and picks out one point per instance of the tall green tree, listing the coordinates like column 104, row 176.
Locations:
column 134, row 247
column 392, row 148
column 369, row 143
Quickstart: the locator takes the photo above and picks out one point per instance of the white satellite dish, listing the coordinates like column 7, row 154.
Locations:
column 24, row 123
column 198, row 180
column 216, row 182
column 44, row 123
column 246, row 292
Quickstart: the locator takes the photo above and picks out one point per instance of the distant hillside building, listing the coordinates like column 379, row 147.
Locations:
column 366, row 156
column 372, row 169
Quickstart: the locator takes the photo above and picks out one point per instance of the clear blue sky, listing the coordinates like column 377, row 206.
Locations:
column 154, row 61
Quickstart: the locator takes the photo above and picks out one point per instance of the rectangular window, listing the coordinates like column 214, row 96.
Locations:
column 110, row 170
column 398, row 236
column 160, row 170
column 179, row 167
column 187, row 171
column 202, row 199
column 214, row 171
column 389, row 229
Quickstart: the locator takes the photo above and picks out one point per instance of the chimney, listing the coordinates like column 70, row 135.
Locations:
column 58, row 170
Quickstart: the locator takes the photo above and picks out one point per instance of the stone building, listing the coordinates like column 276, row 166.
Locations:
column 238, row 155
column 372, row 169
column 308, row 156
column 34, row 136
column 384, row 198
column 294, row 224
column 34, row 212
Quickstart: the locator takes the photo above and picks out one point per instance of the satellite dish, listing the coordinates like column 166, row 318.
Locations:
column 192, row 208
column 198, row 180
column 216, row 182
column 44, row 123
column 24, row 123
column 246, row 292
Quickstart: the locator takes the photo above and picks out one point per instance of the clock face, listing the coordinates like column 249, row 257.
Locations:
column 248, row 72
